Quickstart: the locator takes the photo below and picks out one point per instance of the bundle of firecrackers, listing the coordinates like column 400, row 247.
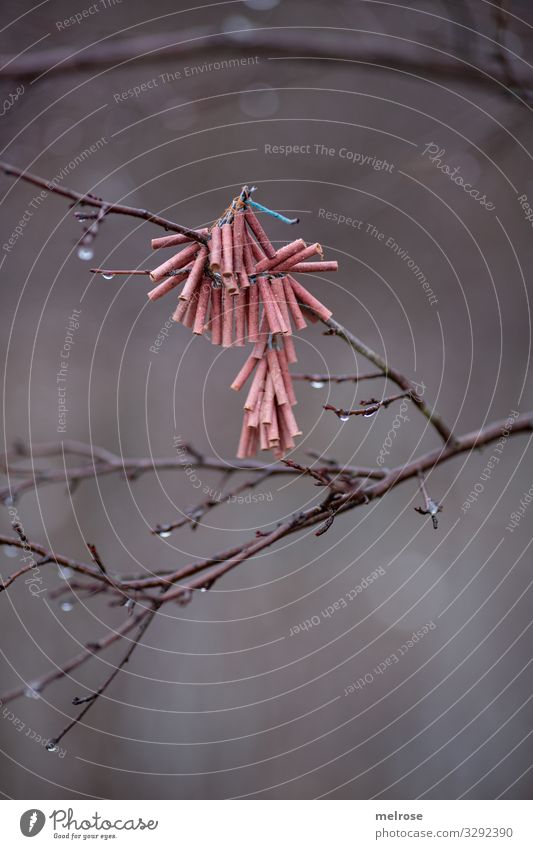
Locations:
column 238, row 288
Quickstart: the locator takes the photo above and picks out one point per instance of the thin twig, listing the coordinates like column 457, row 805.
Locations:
column 369, row 407
column 91, row 200
column 147, row 618
column 400, row 380
column 226, row 561
column 306, row 44
column 338, row 378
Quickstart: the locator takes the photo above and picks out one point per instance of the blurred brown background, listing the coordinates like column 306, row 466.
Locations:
column 220, row 701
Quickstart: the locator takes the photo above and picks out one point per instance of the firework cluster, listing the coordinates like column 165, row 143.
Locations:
column 236, row 288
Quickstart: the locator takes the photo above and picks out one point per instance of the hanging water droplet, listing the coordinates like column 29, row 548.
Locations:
column 371, row 412
column 32, row 692
column 52, row 747
column 64, row 572
column 85, row 253
column 10, row 550
column 66, row 606
column 317, row 384
column 344, row 418
column 203, row 589
column 108, row 276
column 164, row 534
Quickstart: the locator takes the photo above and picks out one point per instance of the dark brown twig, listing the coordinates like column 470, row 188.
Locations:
column 399, row 379
column 338, row 378
column 369, row 407
column 304, row 43
column 91, row 200
column 221, row 564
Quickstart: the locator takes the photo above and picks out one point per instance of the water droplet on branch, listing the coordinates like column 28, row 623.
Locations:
column 317, row 384
column 52, row 746
column 344, row 418
column 108, row 276
column 66, row 606
column 32, row 692
column 85, row 253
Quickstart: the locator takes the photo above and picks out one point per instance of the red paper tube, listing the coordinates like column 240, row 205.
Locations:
column 253, row 313
column 254, row 441
column 244, row 373
column 176, row 239
column 269, row 306
column 179, row 260
column 238, row 241
column 227, row 320
column 310, row 316
column 244, row 441
column 278, row 292
column 257, row 229
column 290, row 350
column 285, row 439
column 307, row 298
column 257, row 253
column 215, row 249
column 167, row 285
column 281, row 255
column 263, row 435
column 260, row 345
column 197, row 272
column 248, row 258
column 308, row 267
column 253, row 418
column 227, row 250
column 299, row 257
column 243, row 281
column 287, row 380
column 287, row 416
column 273, row 429
column 240, row 319
column 277, row 377
column 257, row 385
column 179, row 312
column 230, row 284
column 294, row 306
column 203, row 304
column 267, row 404
column 190, row 315
column 285, row 328
column 215, row 319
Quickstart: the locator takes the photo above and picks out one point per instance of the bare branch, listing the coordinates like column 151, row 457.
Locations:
column 92, row 200
column 305, row 44
column 369, row 407
column 400, row 380
column 338, row 378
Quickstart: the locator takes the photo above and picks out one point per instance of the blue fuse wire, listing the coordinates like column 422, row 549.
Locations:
column 272, row 212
